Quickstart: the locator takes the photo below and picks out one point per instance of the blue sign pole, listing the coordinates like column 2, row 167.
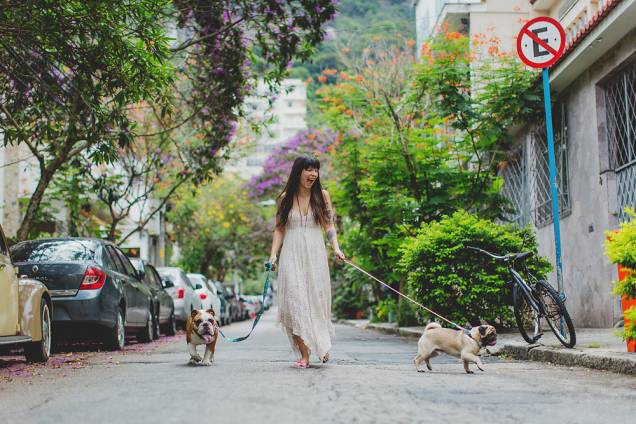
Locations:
column 553, row 178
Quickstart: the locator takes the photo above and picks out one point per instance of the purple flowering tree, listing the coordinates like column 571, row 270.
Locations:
column 278, row 165
column 74, row 75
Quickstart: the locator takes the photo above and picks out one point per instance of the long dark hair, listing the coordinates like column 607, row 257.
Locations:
column 317, row 202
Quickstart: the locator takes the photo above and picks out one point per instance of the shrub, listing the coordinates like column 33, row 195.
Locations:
column 384, row 307
column 349, row 299
column 459, row 283
column 620, row 248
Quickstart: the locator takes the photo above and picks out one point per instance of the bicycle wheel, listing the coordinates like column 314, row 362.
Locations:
column 556, row 312
column 526, row 316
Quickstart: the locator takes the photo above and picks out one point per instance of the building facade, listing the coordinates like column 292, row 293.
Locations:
column 493, row 18
column 594, row 86
column 286, row 112
column 595, row 144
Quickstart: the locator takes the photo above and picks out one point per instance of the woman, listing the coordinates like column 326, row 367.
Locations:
column 304, row 288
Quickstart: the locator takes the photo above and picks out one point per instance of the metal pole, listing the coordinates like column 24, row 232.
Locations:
column 553, row 179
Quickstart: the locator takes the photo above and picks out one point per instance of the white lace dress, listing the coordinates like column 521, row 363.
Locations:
column 304, row 285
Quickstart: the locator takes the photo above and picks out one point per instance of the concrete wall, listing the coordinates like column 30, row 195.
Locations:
column 500, row 18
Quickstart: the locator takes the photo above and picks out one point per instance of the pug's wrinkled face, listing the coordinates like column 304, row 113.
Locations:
column 204, row 323
column 487, row 335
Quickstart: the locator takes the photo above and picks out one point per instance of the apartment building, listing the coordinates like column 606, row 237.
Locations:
column 286, row 110
column 493, row 18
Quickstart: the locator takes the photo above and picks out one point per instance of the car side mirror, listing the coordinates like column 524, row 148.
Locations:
column 198, row 286
column 167, row 283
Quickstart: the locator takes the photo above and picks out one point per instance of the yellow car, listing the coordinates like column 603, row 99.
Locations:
column 25, row 310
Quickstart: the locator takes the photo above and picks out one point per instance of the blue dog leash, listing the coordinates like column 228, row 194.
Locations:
column 268, row 268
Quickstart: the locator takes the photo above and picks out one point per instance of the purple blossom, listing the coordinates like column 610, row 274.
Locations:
column 277, row 166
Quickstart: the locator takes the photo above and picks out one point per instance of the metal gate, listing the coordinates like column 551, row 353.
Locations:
column 620, row 107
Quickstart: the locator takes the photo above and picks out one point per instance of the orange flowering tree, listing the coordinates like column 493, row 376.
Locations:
column 418, row 140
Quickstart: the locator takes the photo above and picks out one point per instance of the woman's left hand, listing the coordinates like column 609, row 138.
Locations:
column 339, row 254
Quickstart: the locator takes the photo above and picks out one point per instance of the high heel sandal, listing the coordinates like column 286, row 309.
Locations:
column 301, row 364
column 325, row 358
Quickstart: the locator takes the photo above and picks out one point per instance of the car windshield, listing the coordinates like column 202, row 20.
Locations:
column 54, row 251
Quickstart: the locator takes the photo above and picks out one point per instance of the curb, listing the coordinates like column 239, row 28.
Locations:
column 602, row 360
column 598, row 359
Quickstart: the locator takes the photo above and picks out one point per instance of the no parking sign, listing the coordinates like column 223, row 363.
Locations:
column 540, row 44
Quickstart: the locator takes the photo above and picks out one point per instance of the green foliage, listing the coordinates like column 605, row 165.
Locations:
column 459, row 283
column 620, row 246
column 408, row 314
column 220, row 231
column 349, row 299
column 416, row 142
column 629, row 332
column 385, row 307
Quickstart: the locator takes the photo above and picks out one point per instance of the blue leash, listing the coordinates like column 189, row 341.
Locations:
column 268, row 268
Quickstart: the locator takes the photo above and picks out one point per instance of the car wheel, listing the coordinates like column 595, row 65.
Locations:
column 156, row 333
column 145, row 335
column 116, row 337
column 41, row 351
column 171, row 326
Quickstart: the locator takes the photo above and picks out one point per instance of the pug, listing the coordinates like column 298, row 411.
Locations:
column 455, row 343
column 202, row 328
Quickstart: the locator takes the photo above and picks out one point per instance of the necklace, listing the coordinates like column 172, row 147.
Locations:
column 300, row 212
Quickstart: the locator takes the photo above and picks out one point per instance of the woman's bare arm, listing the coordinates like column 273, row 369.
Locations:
column 330, row 228
column 279, row 234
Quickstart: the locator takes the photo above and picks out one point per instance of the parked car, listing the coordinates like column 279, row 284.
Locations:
column 179, row 286
column 93, row 286
column 163, row 304
column 226, row 316
column 236, row 307
column 251, row 307
column 25, row 310
column 209, row 298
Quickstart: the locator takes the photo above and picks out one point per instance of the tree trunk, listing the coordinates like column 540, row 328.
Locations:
column 46, row 175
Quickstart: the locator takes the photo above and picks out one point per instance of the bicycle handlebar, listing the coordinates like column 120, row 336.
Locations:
column 492, row 255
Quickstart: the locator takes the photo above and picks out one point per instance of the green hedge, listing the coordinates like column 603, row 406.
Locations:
column 462, row 284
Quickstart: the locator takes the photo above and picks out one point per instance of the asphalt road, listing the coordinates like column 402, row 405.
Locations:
column 369, row 379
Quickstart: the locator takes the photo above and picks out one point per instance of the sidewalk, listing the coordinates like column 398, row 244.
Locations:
column 596, row 348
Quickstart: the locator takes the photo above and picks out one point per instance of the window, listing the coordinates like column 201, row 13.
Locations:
column 115, row 259
column 620, row 104
column 620, row 113
column 515, row 188
column 54, row 251
column 541, row 191
column 153, row 278
column 109, row 262
column 130, row 269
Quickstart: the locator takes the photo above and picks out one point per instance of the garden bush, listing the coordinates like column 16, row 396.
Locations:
column 620, row 247
column 461, row 284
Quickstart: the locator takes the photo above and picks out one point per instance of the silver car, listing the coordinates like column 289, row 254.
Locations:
column 179, row 286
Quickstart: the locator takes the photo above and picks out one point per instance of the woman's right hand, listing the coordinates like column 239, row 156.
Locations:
column 272, row 260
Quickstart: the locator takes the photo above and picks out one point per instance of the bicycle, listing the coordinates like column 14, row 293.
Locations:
column 535, row 301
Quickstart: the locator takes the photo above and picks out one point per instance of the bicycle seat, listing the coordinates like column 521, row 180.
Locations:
column 522, row 256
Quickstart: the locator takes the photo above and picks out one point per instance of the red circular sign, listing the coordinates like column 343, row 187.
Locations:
column 541, row 42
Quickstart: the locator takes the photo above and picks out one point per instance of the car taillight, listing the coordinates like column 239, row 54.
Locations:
column 94, row 279
column 180, row 292
column 203, row 296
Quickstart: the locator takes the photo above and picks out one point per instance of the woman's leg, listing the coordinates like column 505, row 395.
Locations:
column 304, row 350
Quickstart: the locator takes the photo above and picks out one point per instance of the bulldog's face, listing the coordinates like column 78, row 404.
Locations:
column 204, row 323
column 485, row 334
